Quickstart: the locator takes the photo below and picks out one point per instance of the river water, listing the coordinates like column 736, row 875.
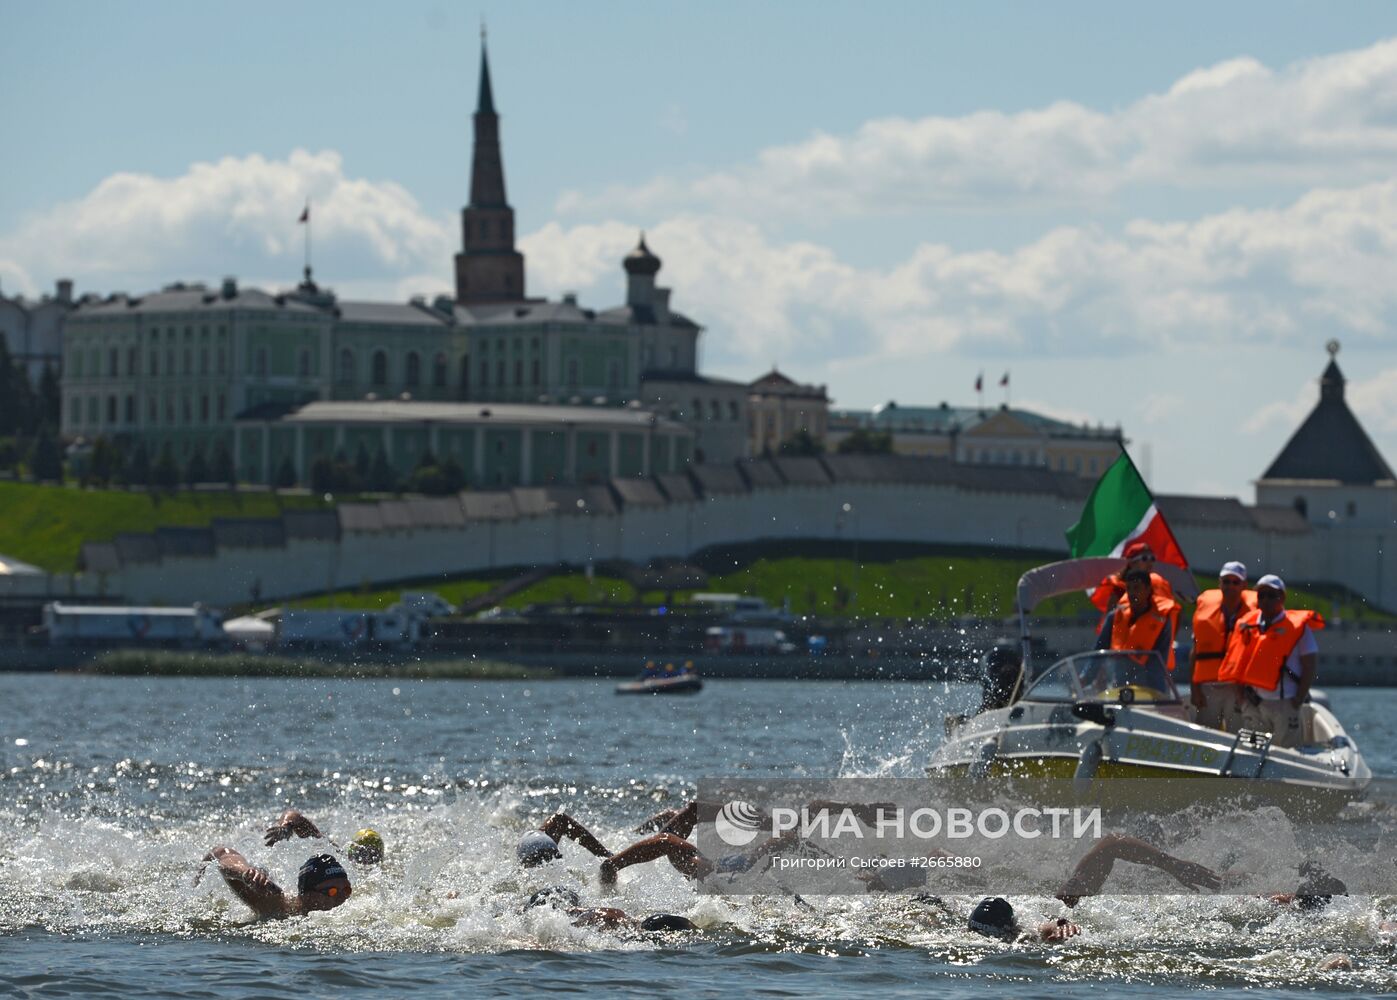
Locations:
column 111, row 789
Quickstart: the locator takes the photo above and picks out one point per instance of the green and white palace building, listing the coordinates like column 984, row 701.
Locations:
column 519, row 391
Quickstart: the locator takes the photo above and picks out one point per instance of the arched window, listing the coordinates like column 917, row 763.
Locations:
column 203, row 361
column 222, row 362
column 303, row 363
column 111, row 404
column 572, row 371
column 346, row 366
column 133, row 361
column 222, row 407
column 154, row 363
column 715, row 410
column 130, row 409
column 259, row 362
column 518, row 372
column 189, row 362
column 412, row 375
column 204, row 408
column 613, row 374
column 112, row 363
column 153, row 410
column 380, row 368
column 439, row 371
column 465, row 373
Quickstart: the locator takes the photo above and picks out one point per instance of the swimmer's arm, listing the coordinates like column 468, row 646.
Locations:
column 252, row 885
column 292, row 823
column 682, row 823
column 1056, row 931
column 1091, row 872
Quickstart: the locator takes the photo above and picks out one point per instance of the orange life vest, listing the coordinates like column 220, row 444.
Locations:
column 1112, row 589
column 1210, row 632
column 1129, row 632
column 1257, row 658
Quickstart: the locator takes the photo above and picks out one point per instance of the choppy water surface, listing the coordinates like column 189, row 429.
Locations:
column 111, row 789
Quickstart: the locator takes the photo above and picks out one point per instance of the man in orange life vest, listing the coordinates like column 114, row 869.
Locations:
column 1215, row 616
column 1137, row 555
column 1142, row 620
column 1271, row 656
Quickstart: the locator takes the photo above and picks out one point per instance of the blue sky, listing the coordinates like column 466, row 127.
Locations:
column 1149, row 216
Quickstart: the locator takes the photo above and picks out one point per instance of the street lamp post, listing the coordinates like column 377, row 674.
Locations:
column 849, row 508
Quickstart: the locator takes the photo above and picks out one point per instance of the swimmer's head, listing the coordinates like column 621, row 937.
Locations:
column 322, row 883
column 667, row 922
column 366, row 848
column 559, row 897
column 994, row 917
column 537, row 848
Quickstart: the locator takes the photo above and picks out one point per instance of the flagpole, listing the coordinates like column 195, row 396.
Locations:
column 308, row 225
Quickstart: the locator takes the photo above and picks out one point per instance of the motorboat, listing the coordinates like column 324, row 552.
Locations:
column 666, row 680
column 1100, row 715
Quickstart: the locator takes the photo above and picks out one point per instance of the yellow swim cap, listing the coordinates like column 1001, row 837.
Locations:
column 366, row 848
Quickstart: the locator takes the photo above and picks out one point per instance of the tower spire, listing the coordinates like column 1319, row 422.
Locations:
column 485, row 97
column 488, row 268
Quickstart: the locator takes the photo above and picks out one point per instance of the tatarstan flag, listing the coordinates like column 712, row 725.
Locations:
column 1119, row 511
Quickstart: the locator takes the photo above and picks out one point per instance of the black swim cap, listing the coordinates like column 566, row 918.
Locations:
column 320, row 868
column 667, row 922
column 994, row 916
column 556, row 896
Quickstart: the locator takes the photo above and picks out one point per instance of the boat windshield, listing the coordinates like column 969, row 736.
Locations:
column 1116, row 677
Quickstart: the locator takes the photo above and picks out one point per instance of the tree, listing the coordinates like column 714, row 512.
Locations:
column 322, row 475
column 165, row 475
column 49, row 399
column 45, row 458
column 197, row 471
column 138, row 466
column 285, row 474
column 802, row 442
column 101, row 464
column 17, row 411
column 382, row 479
column 454, row 475
column 222, row 471
column 866, row 442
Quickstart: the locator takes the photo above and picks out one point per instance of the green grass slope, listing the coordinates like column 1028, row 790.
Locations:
column 46, row 525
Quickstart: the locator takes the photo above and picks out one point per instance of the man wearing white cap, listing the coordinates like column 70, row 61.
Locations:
column 1214, row 617
column 1271, row 657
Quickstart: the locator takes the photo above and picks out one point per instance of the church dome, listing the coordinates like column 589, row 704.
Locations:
column 641, row 260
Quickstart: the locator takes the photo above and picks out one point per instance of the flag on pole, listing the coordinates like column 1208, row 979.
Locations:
column 980, row 382
column 305, row 214
column 1004, row 382
column 1119, row 511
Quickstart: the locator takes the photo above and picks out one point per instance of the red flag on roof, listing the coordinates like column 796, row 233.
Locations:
column 305, row 214
column 1005, row 380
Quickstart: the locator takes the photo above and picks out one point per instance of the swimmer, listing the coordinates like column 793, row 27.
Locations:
column 994, row 917
column 562, row 898
column 366, row 848
column 540, row 846
column 321, row 884
column 684, row 856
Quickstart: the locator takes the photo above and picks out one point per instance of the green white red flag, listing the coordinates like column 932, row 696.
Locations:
column 1119, row 511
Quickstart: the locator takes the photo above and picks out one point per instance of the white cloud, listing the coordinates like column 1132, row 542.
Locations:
column 234, row 216
column 1321, row 120
column 1374, row 401
column 1325, row 264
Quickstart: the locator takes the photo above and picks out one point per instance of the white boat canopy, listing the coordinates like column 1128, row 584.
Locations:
column 1077, row 575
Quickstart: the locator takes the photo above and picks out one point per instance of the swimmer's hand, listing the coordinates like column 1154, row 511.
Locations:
column 292, row 823
column 1053, row 931
column 1195, row 876
column 608, row 872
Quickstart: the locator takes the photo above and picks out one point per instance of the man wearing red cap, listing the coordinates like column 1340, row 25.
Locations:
column 1137, row 555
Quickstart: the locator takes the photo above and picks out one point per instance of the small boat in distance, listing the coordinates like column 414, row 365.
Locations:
column 668, row 679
